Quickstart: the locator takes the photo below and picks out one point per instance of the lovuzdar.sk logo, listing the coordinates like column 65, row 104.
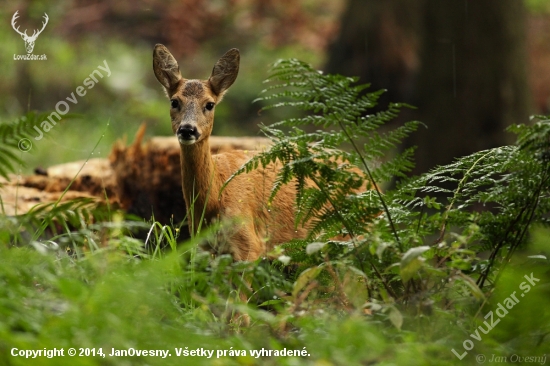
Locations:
column 29, row 40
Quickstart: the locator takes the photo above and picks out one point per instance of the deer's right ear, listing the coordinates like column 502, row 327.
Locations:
column 166, row 69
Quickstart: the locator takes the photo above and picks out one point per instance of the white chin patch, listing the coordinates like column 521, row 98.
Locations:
column 187, row 142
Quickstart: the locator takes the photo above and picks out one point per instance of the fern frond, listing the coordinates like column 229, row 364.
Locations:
column 16, row 138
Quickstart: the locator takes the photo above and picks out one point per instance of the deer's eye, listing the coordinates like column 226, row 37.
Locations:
column 174, row 103
column 209, row 106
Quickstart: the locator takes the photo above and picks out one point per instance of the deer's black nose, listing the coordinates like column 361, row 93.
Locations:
column 188, row 132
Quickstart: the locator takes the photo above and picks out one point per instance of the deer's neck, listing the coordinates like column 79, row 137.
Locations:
column 200, row 181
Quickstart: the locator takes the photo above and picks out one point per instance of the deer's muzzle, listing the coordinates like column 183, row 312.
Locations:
column 187, row 134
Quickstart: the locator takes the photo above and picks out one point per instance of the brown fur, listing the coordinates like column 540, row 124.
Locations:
column 255, row 228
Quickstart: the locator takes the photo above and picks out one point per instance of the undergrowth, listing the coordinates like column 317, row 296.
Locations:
column 423, row 263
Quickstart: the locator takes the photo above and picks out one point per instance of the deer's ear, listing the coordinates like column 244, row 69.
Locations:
column 225, row 72
column 166, row 69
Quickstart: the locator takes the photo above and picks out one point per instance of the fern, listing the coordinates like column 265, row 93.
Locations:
column 342, row 148
column 16, row 138
column 486, row 201
column 324, row 156
column 493, row 198
column 11, row 137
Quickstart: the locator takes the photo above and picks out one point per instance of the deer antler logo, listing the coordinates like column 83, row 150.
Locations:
column 29, row 40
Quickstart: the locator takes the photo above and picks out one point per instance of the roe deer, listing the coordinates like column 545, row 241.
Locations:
column 256, row 227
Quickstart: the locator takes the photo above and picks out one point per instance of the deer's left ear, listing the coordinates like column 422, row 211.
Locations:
column 166, row 69
column 225, row 72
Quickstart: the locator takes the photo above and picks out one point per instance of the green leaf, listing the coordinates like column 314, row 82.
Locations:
column 473, row 287
column 412, row 262
column 272, row 302
column 395, row 317
column 304, row 278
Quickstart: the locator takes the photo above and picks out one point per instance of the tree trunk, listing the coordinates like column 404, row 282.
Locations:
column 461, row 62
column 378, row 42
column 473, row 81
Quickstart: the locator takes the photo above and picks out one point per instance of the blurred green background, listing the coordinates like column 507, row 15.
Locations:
column 81, row 34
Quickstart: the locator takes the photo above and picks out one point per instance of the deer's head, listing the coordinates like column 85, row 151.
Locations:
column 29, row 40
column 192, row 102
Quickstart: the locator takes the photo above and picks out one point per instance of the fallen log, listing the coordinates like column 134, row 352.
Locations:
column 18, row 199
column 143, row 179
column 148, row 176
